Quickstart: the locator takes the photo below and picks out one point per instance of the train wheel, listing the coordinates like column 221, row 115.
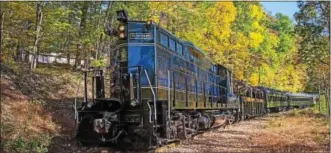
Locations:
column 83, row 144
column 237, row 115
column 79, row 143
column 231, row 119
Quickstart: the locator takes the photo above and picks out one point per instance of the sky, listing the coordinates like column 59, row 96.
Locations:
column 287, row 8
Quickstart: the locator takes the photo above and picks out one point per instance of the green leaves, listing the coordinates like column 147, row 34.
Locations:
column 99, row 63
column 313, row 30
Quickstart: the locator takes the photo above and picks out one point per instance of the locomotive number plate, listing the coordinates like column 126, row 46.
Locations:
column 141, row 36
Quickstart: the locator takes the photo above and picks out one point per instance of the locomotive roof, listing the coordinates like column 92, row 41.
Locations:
column 190, row 44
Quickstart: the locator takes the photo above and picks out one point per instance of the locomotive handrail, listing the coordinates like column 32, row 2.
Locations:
column 75, row 101
column 154, row 98
column 149, row 82
column 169, row 95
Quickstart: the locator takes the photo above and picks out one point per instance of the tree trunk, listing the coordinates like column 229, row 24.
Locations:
column 18, row 53
column 81, row 33
column 327, row 99
column 319, row 94
column 2, row 16
column 102, row 39
column 68, row 50
column 1, row 26
column 326, row 95
column 68, row 58
column 68, row 43
column 39, row 18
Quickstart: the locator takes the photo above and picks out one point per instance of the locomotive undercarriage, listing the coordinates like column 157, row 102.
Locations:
column 134, row 131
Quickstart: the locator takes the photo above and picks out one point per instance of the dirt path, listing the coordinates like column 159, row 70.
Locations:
column 232, row 138
column 255, row 135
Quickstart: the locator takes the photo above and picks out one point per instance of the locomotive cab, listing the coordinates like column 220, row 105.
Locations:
column 125, row 114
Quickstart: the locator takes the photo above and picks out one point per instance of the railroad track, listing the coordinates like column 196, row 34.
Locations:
column 174, row 143
column 167, row 146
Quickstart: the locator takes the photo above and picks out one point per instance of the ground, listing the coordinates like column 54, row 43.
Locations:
column 294, row 131
column 38, row 116
column 273, row 133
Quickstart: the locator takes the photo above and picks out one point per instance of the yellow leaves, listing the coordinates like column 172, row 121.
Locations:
column 221, row 16
column 282, row 78
column 274, row 40
column 254, row 79
column 256, row 12
column 256, row 26
column 239, row 75
column 267, row 75
column 167, row 9
column 256, row 39
column 209, row 25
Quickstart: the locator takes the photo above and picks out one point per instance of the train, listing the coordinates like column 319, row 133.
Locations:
column 159, row 89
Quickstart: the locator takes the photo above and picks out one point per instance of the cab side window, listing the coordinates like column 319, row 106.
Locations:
column 164, row 40
column 172, row 44
column 179, row 49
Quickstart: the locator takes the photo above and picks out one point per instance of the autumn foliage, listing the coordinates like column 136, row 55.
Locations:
column 261, row 49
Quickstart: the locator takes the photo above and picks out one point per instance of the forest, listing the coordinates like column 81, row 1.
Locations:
column 260, row 49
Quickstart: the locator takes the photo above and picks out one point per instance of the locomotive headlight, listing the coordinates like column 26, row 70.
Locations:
column 121, row 28
column 134, row 102
column 122, row 32
column 122, row 35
